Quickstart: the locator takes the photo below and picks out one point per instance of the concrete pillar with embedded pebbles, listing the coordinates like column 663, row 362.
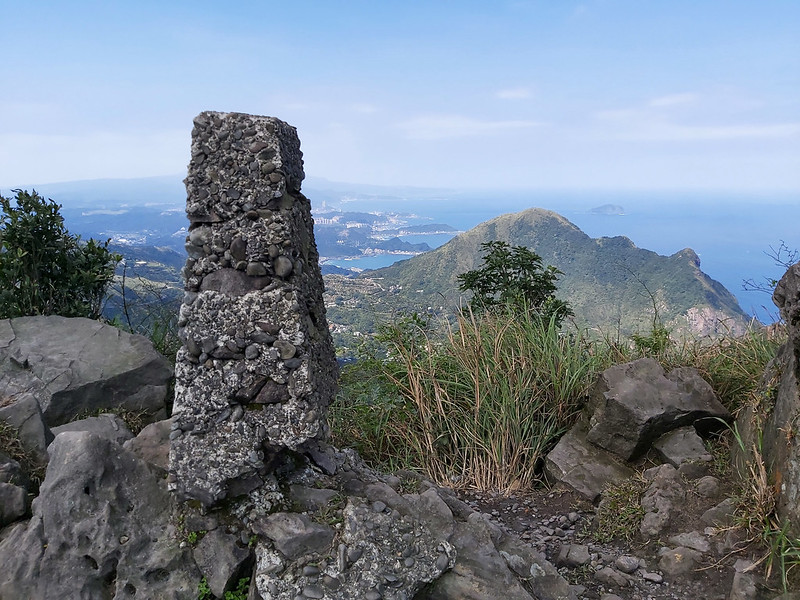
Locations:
column 257, row 368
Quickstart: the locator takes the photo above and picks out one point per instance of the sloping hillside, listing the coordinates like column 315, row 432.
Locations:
column 610, row 283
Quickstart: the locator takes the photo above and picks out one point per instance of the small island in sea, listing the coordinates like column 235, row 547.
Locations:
column 608, row 209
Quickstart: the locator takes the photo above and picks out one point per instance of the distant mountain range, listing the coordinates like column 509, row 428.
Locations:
column 610, row 282
column 612, row 285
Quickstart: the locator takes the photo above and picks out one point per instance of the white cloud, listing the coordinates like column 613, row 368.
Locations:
column 513, row 94
column 649, row 122
column 439, row 127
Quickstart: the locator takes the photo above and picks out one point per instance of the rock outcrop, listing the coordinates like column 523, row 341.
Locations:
column 101, row 528
column 635, row 403
column 776, row 419
column 74, row 367
column 633, row 409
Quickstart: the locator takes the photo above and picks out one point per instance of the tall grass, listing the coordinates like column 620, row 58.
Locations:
column 479, row 402
column 486, row 399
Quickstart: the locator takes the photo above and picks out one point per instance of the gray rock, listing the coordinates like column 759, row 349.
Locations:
column 665, row 491
column 23, row 414
column 720, row 515
column 152, row 443
column 100, row 529
column 480, row 573
column 107, row 425
column 678, row 561
column 635, row 403
column 611, row 576
column 364, row 562
column 11, row 471
column 222, row 560
column 532, row 569
column 680, row 446
column 653, row 577
column 745, row 582
column 232, row 283
column 573, row 555
column 295, row 535
column 282, row 266
column 585, row 468
column 78, row 366
column 13, row 503
column 626, row 564
column 310, row 498
column 693, row 539
column 708, row 487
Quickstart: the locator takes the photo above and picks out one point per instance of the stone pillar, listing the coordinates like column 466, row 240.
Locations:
column 257, row 368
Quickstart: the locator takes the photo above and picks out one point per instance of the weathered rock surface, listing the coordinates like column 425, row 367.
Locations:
column 635, row 407
column 78, row 366
column 152, row 443
column 100, row 528
column 223, row 559
column 257, row 368
column 666, row 489
column 24, row 415
column 635, row 403
column 107, row 425
column 780, row 401
column 584, row 467
column 680, row 446
column 13, row 503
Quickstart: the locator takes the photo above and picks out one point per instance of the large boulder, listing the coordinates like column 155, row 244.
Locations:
column 100, row 529
column 635, row 403
column 76, row 366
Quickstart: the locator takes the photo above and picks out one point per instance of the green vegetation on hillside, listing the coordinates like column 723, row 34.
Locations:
column 44, row 270
column 605, row 280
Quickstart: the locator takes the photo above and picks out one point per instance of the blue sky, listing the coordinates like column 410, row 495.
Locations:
column 599, row 94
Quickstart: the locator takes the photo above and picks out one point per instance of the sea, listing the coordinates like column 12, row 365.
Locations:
column 733, row 234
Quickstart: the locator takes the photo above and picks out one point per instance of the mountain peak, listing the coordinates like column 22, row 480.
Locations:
column 609, row 282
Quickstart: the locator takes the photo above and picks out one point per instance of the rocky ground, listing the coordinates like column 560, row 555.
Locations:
column 691, row 558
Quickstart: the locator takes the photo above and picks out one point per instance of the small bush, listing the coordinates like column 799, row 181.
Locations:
column 44, row 270
column 514, row 276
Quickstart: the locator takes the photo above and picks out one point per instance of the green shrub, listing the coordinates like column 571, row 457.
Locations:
column 44, row 270
column 514, row 276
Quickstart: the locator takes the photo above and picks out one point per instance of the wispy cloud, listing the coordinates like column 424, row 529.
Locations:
column 673, row 100
column 670, row 132
column 439, row 127
column 653, row 121
column 513, row 94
